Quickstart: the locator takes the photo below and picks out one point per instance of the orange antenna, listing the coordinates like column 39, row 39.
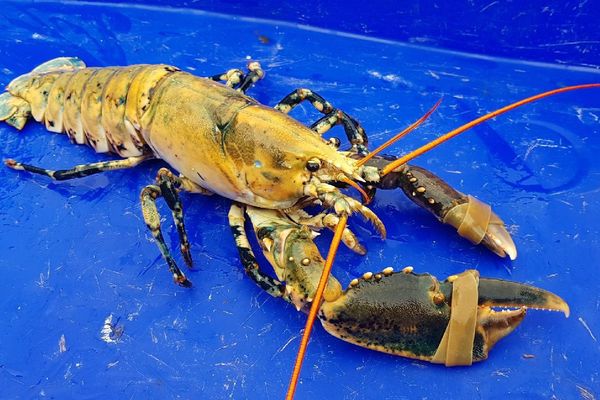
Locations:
column 399, row 136
column 316, row 304
column 403, row 160
column 350, row 182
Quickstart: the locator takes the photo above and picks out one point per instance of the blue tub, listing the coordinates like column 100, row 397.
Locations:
column 75, row 256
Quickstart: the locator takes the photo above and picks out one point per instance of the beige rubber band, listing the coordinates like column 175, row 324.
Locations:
column 456, row 346
column 471, row 219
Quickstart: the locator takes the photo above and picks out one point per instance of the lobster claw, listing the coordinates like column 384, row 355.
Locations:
column 452, row 322
column 476, row 222
column 473, row 219
column 414, row 315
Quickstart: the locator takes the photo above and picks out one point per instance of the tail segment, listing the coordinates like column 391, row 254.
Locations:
column 55, row 65
column 59, row 64
column 14, row 110
column 27, row 91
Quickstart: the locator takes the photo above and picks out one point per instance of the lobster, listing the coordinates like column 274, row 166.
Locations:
column 222, row 141
column 225, row 143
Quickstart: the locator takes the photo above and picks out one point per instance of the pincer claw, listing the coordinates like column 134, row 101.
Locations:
column 476, row 222
column 453, row 322
column 498, row 240
column 501, row 293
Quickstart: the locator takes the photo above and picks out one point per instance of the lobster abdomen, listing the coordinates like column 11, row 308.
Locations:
column 100, row 107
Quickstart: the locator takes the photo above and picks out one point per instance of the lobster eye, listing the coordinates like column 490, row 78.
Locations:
column 313, row 164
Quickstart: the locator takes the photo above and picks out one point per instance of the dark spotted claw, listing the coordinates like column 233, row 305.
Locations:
column 416, row 316
column 473, row 219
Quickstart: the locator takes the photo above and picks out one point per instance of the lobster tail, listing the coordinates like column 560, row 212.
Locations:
column 60, row 64
column 88, row 104
column 14, row 110
column 34, row 87
column 27, row 95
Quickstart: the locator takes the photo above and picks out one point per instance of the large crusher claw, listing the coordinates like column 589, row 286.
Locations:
column 414, row 315
column 453, row 322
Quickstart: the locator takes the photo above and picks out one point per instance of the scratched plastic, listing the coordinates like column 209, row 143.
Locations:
column 88, row 308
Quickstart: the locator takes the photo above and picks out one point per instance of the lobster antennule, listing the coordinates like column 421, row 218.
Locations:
column 400, row 135
column 434, row 143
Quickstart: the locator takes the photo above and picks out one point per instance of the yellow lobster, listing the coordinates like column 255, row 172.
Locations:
column 222, row 141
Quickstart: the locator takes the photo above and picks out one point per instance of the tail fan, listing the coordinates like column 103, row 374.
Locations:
column 14, row 110
column 27, row 94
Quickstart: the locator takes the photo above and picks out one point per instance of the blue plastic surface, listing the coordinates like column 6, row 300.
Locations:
column 76, row 252
column 557, row 31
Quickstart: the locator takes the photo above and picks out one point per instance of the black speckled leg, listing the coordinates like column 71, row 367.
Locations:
column 255, row 73
column 167, row 186
column 79, row 171
column 264, row 281
column 232, row 77
column 333, row 116
column 152, row 218
column 236, row 79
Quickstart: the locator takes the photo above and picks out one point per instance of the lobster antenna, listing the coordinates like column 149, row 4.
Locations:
column 316, row 304
column 399, row 136
column 415, row 153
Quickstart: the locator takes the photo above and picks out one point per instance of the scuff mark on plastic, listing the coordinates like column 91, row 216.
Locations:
column 587, row 328
column 62, row 344
column 111, row 332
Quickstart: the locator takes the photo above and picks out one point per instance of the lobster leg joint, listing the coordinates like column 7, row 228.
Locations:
column 168, row 183
column 333, row 116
